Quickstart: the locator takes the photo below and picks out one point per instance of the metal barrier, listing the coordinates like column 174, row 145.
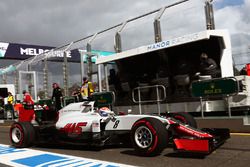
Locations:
column 158, row 100
column 217, row 87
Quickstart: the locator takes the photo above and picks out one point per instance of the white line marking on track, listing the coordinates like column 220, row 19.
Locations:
column 35, row 158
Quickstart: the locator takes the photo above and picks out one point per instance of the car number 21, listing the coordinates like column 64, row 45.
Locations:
column 116, row 124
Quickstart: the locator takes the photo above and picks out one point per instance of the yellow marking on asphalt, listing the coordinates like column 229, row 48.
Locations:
column 240, row 134
column 4, row 126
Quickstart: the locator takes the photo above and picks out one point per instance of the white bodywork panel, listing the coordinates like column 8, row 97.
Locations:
column 77, row 113
column 84, row 112
column 126, row 121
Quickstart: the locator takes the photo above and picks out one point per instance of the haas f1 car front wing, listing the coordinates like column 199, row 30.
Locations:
column 189, row 139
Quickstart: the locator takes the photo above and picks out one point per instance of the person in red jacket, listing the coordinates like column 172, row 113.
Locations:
column 27, row 112
column 27, row 99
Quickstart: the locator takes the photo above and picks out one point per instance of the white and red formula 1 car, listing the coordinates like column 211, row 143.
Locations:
column 83, row 123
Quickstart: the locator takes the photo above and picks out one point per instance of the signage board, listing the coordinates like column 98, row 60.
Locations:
column 215, row 87
column 25, row 51
column 103, row 98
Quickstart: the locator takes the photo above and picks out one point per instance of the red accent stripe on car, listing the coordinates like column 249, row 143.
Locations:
column 192, row 145
column 139, row 122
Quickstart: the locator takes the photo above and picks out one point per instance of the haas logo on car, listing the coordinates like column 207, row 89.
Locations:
column 73, row 128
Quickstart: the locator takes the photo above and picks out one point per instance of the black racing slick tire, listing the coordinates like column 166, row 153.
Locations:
column 185, row 118
column 149, row 136
column 22, row 134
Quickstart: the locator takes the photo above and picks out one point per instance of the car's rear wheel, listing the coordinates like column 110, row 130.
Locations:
column 22, row 134
column 149, row 136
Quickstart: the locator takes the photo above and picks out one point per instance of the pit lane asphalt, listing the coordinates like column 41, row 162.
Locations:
column 235, row 152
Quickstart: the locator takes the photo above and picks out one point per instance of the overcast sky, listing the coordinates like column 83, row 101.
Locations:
column 57, row 22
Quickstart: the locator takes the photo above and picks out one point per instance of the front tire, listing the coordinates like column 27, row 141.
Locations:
column 149, row 136
column 22, row 134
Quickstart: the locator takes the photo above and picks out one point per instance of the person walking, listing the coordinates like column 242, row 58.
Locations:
column 57, row 96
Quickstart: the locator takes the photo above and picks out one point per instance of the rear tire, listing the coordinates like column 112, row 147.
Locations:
column 149, row 136
column 185, row 118
column 22, row 134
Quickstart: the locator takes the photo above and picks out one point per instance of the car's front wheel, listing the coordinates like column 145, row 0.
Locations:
column 149, row 136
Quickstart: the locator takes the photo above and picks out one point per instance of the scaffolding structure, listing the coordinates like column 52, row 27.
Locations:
column 44, row 60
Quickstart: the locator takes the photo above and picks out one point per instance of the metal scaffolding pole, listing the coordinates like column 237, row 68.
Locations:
column 157, row 25
column 209, row 12
column 45, row 78
column 65, row 70
column 65, row 73
column 99, row 78
column 89, row 62
column 16, row 82
column 118, row 43
column 118, row 40
column 4, row 76
column 106, row 78
column 82, row 65
column 157, row 30
column 29, row 76
column 89, row 55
